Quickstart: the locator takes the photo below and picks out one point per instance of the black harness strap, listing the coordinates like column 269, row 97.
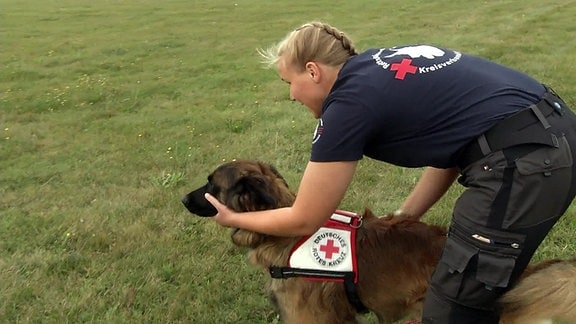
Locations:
column 348, row 277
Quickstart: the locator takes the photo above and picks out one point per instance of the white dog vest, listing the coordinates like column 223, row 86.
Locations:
column 329, row 254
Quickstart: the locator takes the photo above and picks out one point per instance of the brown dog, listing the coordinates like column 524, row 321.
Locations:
column 395, row 255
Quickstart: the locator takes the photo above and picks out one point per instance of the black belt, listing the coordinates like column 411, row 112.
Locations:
column 528, row 126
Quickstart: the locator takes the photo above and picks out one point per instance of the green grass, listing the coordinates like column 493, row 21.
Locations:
column 111, row 110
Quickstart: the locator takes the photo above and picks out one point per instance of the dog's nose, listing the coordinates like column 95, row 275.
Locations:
column 186, row 201
column 198, row 206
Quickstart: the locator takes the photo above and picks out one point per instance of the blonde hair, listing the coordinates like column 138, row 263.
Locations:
column 313, row 41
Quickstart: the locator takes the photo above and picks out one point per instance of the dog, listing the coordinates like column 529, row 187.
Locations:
column 395, row 254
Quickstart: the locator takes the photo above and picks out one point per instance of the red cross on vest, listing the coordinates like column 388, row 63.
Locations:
column 329, row 249
column 402, row 68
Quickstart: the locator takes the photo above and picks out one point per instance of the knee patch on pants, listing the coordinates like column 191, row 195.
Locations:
column 476, row 265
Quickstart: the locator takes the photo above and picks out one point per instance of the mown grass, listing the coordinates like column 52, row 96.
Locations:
column 111, row 110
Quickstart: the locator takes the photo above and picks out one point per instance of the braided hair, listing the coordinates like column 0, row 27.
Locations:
column 313, row 41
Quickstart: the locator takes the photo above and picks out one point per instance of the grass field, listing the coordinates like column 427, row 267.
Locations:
column 111, row 110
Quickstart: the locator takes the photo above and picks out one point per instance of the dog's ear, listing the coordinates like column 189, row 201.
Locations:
column 368, row 214
column 250, row 193
column 274, row 171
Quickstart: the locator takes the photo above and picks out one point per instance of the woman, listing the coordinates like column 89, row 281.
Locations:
column 510, row 138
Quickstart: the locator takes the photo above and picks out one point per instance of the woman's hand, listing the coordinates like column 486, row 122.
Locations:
column 224, row 214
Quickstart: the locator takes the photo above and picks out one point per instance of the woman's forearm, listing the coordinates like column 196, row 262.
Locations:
column 432, row 185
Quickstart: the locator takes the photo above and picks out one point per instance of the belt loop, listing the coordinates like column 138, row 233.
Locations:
column 540, row 116
column 484, row 146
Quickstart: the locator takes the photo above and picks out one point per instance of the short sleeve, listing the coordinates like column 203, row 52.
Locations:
column 342, row 133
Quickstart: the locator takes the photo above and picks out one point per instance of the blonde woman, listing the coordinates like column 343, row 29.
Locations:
column 509, row 138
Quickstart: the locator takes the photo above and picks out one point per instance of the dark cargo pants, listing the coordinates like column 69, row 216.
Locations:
column 514, row 197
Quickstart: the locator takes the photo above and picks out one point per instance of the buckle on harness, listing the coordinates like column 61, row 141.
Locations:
column 277, row 273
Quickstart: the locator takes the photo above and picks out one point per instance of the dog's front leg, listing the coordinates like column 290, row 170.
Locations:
column 301, row 301
column 291, row 308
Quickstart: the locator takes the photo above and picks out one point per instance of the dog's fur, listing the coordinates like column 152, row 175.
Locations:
column 396, row 257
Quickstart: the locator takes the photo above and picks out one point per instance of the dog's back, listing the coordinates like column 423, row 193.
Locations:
column 545, row 291
column 396, row 258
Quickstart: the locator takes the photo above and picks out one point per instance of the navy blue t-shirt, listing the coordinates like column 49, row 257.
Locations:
column 416, row 105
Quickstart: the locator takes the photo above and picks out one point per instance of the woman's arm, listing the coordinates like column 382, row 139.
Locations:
column 321, row 190
column 432, row 185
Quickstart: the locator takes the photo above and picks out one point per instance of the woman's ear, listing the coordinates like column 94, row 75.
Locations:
column 313, row 71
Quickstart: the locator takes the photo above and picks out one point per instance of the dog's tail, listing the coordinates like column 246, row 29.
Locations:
column 547, row 291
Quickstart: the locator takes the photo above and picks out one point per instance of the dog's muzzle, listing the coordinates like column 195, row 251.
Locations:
column 197, row 204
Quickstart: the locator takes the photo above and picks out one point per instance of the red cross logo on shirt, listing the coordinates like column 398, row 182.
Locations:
column 402, row 68
column 329, row 249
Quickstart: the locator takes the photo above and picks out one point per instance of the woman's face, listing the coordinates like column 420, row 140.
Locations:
column 304, row 86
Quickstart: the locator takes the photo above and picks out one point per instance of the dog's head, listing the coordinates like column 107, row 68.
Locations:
column 243, row 185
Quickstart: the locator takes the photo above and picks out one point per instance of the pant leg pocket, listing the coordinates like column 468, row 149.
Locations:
column 542, row 188
column 476, row 265
column 453, row 262
column 546, row 160
column 498, row 252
